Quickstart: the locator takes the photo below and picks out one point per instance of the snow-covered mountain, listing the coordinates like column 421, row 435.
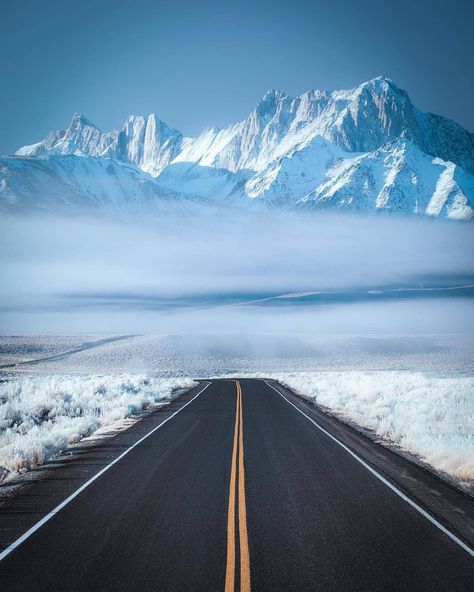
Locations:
column 59, row 183
column 365, row 149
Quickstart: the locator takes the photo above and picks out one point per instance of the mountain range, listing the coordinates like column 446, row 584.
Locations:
column 368, row 149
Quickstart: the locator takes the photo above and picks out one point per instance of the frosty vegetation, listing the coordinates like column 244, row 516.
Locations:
column 429, row 417
column 42, row 416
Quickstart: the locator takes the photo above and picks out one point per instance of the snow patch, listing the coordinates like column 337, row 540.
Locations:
column 40, row 416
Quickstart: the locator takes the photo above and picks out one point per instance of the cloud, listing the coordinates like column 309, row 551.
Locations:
column 232, row 268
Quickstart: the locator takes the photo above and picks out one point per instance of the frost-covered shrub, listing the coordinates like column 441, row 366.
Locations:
column 41, row 415
column 431, row 417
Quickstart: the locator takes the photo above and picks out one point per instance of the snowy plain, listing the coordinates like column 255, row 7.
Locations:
column 55, row 390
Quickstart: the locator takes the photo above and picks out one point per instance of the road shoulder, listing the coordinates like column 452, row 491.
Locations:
column 449, row 505
column 26, row 500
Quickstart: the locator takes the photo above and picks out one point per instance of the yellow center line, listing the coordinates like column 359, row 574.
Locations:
column 230, row 567
column 237, row 470
column 244, row 539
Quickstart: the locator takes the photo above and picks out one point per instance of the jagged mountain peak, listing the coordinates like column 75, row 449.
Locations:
column 363, row 148
column 158, row 123
column 79, row 120
column 270, row 104
column 273, row 95
column 381, row 82
column 381, row 86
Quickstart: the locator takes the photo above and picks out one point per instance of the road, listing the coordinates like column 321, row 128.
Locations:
column 237, row 490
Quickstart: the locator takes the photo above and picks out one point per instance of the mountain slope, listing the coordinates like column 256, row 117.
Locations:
column 397, row 178
column 65, row 183
column 364, row 149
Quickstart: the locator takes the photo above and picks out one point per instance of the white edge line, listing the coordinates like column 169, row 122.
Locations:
column 400, row 494
column 69, row 499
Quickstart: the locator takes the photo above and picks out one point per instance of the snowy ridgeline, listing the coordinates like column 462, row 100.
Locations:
column 41, row 416
column 429, row 417
column 361, row 150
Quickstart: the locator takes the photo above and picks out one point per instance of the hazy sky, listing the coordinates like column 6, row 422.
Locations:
column 207, row 62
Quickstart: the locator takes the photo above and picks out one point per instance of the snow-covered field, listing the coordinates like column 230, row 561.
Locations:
column 197, row 354
column 54, row 390
column 427, row 416
column 41, row 416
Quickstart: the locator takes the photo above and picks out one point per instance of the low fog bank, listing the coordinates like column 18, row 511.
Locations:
column 233, row 272
column 405, row 317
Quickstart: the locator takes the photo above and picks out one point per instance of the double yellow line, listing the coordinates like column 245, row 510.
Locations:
column 237, row 482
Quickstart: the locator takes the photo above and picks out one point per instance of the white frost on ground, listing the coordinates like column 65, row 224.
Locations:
column 372, row 380
column 430, row 417
column 41, row 415
column 205, row 354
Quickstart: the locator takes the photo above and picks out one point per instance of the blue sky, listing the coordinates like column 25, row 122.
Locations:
column 197, row 64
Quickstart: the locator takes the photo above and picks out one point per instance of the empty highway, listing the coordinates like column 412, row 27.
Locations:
column 236, row 488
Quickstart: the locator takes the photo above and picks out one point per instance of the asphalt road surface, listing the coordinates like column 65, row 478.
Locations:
column 238, row 490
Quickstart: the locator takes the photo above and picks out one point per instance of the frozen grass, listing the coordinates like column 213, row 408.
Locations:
column 430, row 417
column 41, row 415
